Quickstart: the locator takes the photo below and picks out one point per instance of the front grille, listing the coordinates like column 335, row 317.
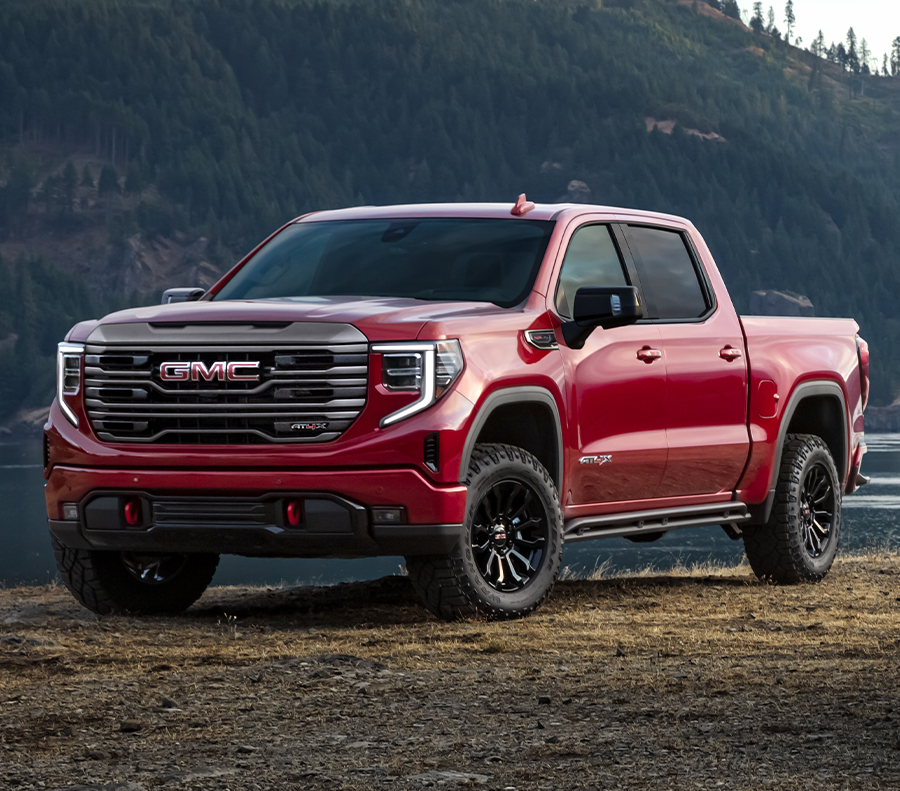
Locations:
column 305, row 393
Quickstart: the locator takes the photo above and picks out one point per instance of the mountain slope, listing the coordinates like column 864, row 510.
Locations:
column 223, row 118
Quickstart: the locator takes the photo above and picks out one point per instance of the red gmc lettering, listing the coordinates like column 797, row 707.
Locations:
column 197, row 371
column 215, row 371
column 174, row 372
column 234, row 368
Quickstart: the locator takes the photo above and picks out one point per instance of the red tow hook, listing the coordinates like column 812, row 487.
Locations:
column 293, row 512
column 133, row 512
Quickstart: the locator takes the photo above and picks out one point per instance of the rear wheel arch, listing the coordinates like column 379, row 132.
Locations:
column 817, row 408
column 525, row 417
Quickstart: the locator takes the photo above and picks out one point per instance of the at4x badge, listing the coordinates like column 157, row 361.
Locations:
column 308, row 426
column 594, row 459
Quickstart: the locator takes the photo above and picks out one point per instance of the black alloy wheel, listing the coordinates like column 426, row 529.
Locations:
column 142, row 583
column 816, row 510
column 509, row 535
column 153, row 569
column 799, row 541
column 509, row 553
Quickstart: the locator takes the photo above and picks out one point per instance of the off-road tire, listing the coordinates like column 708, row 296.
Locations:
column 452, row 586
column 776, row 550
column 103, row 584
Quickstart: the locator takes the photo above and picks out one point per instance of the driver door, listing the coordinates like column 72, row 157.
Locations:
column 616, row 383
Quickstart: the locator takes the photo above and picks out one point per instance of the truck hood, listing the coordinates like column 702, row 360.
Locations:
column 378, row 318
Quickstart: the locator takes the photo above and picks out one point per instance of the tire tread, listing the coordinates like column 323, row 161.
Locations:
column 774, row 550
column 441, row 581
column 94, row 580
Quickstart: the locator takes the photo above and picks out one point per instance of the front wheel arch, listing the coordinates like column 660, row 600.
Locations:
column 491, row 426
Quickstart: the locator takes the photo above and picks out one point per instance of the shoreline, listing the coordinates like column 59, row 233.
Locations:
column 648, row 681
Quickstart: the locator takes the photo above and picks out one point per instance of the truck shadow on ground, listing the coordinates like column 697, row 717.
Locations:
column 391, row 600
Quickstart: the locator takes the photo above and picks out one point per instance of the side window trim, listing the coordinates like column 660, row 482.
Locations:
column 628, row 257
column 709, row 292
column 625, row 259
column 709, row 295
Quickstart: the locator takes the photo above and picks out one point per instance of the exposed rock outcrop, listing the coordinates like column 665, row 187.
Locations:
column 576, row 192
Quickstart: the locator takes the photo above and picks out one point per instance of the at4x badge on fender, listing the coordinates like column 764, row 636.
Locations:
column 594, row 459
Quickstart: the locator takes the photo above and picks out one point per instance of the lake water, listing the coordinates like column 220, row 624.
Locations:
column 871, row 519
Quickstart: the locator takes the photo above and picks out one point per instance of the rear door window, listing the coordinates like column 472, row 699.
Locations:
column 668, row 274
column 592, row 260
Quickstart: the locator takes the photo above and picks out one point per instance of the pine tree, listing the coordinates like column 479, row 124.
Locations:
column 770, row 27
column 818, row 46
column 895, row 57
column 756, row 21
column 789, row 19
column 852, row 55
column 731, row 8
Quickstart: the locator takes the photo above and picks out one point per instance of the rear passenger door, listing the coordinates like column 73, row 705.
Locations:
column 706, row 372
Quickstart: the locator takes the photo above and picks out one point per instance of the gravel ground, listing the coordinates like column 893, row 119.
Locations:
column 691, row 680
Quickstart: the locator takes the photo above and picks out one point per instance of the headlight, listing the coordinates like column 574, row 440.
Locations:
column 428, row 368
column 68, row 376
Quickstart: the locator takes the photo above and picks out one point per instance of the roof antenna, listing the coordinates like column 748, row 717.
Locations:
column 523, row 206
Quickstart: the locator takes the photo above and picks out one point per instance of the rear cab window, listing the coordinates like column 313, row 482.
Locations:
column 673, row 284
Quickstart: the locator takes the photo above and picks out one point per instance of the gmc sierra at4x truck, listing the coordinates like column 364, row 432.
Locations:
column 470, row 386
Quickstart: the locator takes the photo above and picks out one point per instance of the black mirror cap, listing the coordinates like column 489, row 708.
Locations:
column 182, row 295
column 606, row 307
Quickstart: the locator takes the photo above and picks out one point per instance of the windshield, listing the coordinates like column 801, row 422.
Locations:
column 483, row 260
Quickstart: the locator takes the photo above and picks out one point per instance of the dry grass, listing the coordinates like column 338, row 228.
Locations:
column 699, row 676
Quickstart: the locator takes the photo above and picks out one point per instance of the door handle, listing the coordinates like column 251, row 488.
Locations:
column 648, row 355
column 730, row 353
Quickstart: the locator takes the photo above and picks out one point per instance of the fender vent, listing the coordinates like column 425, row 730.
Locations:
column 432, row 452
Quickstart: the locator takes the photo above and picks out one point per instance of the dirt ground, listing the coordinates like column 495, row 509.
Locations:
column 702, row 680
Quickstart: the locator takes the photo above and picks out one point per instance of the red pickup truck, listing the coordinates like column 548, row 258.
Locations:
column 470, row 386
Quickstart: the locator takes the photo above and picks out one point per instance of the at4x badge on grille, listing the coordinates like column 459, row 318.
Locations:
column 308, row 426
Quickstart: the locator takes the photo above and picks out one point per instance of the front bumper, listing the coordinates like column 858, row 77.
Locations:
column 242, row 512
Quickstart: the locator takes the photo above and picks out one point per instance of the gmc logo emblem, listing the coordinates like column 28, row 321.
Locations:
column 197, row 371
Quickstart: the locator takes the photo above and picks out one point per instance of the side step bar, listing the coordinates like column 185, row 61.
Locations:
column 661, row 520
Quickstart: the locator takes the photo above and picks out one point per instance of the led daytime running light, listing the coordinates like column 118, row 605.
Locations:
column 439, row 362
column 68, row 376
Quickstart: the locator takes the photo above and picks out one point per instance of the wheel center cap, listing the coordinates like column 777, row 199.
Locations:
column 500, row 537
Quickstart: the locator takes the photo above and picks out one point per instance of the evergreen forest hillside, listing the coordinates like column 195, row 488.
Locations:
column 149, row 143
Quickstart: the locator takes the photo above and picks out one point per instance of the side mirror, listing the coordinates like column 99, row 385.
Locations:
column 601, row 307
column 182, row 295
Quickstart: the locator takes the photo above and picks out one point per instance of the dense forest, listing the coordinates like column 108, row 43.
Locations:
column 220, row 119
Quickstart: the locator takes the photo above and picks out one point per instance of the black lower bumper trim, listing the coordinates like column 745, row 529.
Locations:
column 269, row 541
